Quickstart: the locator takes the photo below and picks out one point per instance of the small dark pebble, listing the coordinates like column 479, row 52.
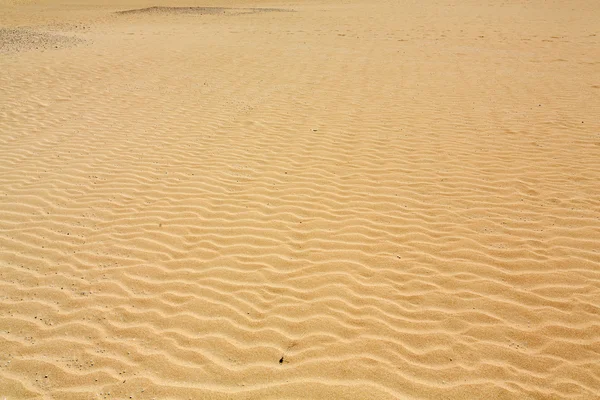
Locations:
column 281, row 360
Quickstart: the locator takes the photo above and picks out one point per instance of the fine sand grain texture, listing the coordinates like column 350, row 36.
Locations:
column 325, row 199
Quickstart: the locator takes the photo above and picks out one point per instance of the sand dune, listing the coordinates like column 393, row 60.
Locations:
column 322, row 199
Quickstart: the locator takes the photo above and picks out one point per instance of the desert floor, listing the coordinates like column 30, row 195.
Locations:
column 334, row 199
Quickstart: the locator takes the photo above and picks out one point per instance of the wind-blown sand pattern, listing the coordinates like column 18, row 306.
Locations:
column 320, row 199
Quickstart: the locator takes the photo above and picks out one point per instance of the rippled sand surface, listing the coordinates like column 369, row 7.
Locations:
column 313, row 199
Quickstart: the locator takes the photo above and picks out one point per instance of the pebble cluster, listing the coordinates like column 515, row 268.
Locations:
column 22, row 39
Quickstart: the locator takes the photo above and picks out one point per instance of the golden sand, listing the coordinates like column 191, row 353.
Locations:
column 313, row 199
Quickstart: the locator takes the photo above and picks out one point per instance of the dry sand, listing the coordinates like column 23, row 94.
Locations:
column 314, row 199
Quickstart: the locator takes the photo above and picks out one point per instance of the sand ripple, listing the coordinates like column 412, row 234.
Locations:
column 376, row 200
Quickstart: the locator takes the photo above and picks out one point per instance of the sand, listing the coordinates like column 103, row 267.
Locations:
column 326, row 199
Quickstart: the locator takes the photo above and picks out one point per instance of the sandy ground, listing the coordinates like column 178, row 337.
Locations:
column 321, row 199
